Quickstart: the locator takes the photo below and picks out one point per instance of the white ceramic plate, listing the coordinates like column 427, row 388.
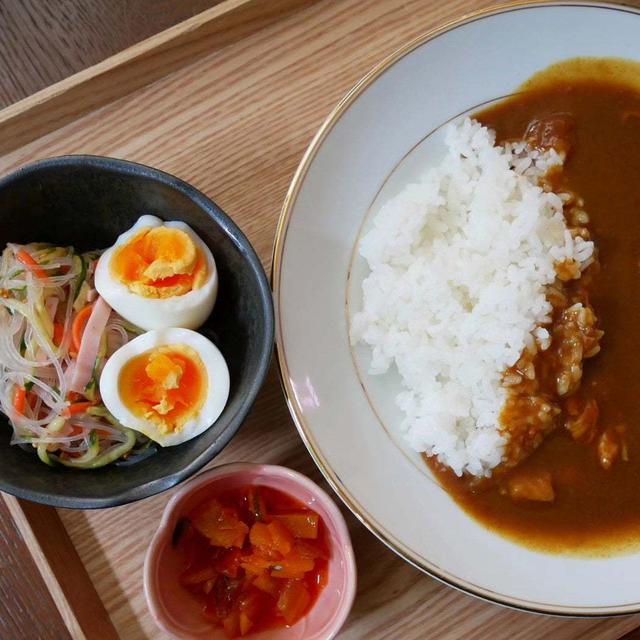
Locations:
column 363, row 147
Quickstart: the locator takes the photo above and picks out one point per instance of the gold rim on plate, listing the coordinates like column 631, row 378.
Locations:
column 294, row 409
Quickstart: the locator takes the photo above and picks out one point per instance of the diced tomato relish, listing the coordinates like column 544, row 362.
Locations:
column 254, row 557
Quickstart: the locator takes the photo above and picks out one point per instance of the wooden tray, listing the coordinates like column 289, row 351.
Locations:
column 237, row 94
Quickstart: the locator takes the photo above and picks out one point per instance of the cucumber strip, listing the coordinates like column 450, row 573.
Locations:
column 131, row 328
column 97, row 411
column 43, row 454
column 86, row 458
column 20, row 307
column 81, row 297
column 101, row 411
column 81, row 265
column 91, row 390
column 105, row 458
column 102, row 351
column 56, row 425
column 45, row 319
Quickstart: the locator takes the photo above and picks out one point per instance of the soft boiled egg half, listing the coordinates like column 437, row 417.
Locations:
column 159, row 274
column 169, row 384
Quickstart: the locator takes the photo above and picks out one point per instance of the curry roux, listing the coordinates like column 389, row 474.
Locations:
column 595, row 511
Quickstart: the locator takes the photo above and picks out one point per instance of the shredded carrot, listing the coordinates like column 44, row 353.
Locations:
column 58, row 333
column 20, row 400
column 27, row 260
column 75, row 430
column 77, row 407
column 79, row 323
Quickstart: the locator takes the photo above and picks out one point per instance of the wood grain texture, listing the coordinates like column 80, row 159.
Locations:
column 62, row 570
column 25, row 601
column 235, row 124
column 44, row 42
column 136, row 67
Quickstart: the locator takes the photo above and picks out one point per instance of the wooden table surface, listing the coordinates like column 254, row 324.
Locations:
column 43, row 42
column 30, row 33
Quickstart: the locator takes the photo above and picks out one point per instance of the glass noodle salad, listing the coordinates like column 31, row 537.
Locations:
column 56, row 333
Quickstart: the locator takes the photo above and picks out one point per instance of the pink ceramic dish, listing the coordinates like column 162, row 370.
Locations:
column 180, row 615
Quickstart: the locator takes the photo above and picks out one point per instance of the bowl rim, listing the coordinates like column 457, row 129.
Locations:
column 295, row 409
column 217, row 216
column 254, row 468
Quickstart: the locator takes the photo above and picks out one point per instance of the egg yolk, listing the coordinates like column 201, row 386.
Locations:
column 167, row 385
column 159, row 262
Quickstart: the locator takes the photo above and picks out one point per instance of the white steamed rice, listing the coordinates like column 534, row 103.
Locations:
column 459, row 263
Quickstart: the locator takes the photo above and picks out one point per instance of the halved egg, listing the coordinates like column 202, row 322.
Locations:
column 159, row 274
column 170, row 384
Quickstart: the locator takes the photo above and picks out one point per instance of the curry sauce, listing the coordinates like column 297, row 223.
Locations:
column 595, row 505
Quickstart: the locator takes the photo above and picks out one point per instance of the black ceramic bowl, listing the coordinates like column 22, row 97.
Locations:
column 86, row 202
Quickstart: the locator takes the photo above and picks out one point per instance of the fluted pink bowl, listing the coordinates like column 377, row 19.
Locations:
column 178, row 613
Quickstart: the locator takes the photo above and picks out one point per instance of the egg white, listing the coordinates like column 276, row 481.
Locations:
column 218, row 384
column 189, row 310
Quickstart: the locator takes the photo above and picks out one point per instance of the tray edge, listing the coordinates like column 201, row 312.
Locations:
column 136, row 66
column 62, row 570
